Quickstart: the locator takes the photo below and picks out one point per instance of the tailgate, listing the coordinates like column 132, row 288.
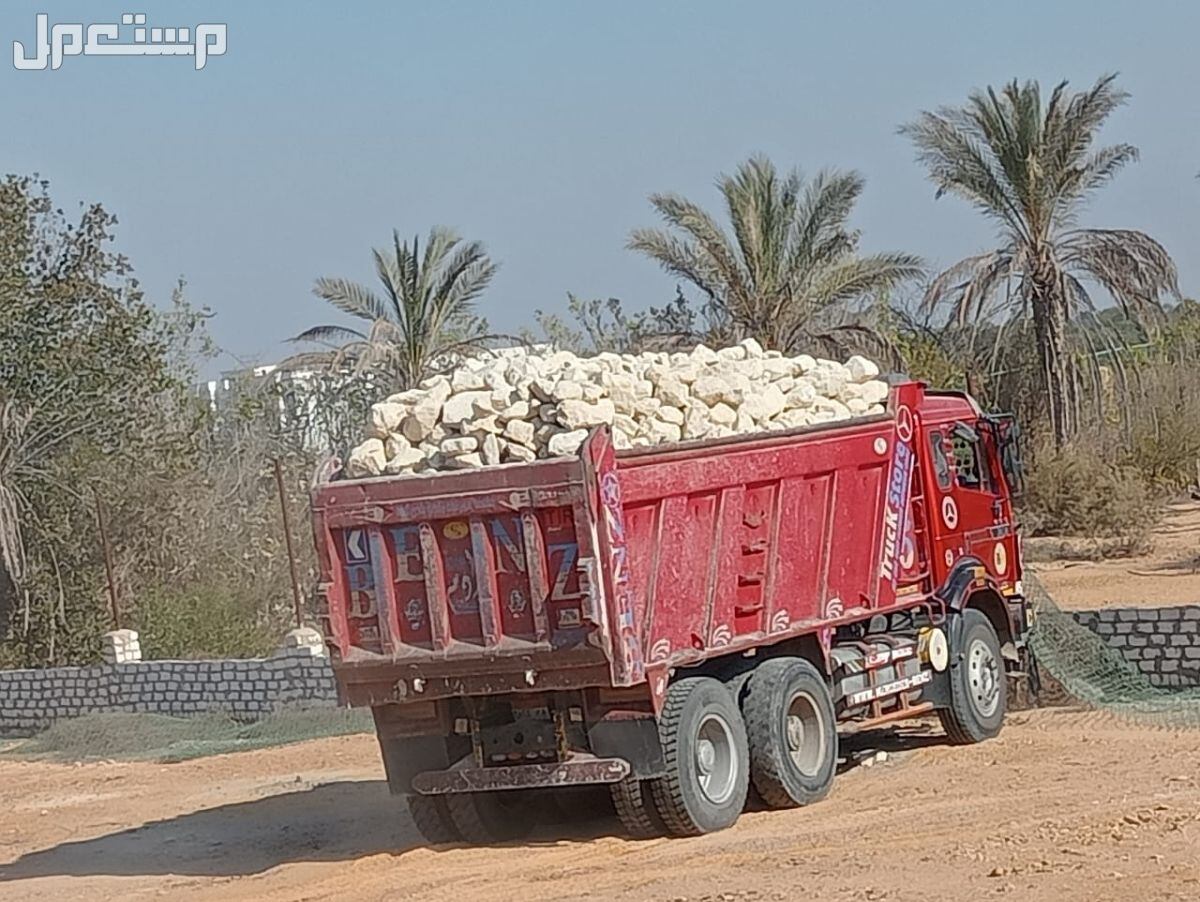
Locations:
column 480, row 564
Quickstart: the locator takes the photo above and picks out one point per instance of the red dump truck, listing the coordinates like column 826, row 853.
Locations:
column 683, row 623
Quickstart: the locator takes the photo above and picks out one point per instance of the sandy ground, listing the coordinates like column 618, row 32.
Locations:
column 1065, row 805
column 1167, row 575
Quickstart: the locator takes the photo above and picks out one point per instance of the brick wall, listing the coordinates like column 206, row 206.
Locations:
column 1163, row 643
column 297, row 675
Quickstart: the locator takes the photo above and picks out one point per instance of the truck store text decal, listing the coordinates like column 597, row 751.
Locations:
column 896, row 511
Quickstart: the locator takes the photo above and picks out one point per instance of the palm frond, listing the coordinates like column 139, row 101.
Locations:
column 678, row 257
column 1134, row 268
column 820, row 231
column 707, row 236
column 853, row 277
column 792, row 260
column 350, row 297
column 429, row 298
column 958, row 163
column 327, row 334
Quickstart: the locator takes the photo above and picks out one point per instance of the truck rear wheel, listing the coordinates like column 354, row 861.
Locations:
column 791, row 726
column 432, row 819
column 978, row 687
column 704, row 746
column 488, row 817
column 634, row 803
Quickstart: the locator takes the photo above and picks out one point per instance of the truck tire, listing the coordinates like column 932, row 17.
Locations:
column 432, row 819
column 792, row 729
column 634, row 803
column 488, row 817
column 978, row 688
column 704, row 747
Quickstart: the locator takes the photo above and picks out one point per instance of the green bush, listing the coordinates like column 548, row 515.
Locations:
column 1077, row 491
column 203, row 621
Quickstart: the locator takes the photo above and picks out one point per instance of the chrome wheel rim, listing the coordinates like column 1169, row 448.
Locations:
column 983, row 675
column 803, row 734
column 716, row 759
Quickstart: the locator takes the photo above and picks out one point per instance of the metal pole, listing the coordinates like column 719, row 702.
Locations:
column 972, row 384
column 108, row 567
column 287, row 538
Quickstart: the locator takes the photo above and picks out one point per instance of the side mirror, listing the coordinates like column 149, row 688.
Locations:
column 1008, row 445
column 964, row 432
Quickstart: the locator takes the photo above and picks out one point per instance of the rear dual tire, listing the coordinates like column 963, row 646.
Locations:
column 707, row 758
column 474, row 817
column 432, row 819
column 792, row 731
column 780, row 744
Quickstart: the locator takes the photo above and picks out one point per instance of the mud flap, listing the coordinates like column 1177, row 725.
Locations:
column 406, row 756
column 634, row 739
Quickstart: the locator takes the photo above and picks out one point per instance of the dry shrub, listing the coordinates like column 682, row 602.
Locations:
column 204, row 621
column 1079, row 491
column 1164, row 425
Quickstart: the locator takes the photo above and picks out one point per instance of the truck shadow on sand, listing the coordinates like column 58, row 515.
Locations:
column 339, row 821
column 326, row 822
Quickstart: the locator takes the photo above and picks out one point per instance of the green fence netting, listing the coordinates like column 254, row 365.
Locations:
column 158, row 737
column 1088, row 670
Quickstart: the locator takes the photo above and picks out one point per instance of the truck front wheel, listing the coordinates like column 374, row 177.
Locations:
column 704, row 747
column 978, row 690
column 792, row 730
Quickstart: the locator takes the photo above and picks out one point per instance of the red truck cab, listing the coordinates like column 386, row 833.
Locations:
column 676, row 622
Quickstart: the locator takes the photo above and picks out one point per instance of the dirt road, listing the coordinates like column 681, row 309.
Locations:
column 1166, row 575
column 1063, row 806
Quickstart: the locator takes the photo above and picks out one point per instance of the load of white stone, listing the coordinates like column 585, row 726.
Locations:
column 519, row 404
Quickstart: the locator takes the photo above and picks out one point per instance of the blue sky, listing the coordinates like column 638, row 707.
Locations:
column 540, row 127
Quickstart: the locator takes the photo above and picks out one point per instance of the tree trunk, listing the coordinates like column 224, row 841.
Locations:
column 1050, row 332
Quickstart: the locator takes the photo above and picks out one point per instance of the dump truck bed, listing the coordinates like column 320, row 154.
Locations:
column 607, row 569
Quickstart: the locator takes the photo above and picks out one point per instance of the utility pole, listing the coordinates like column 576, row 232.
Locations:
column 108, row 565
column 287, row 538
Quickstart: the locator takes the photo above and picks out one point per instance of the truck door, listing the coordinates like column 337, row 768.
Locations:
column 971, row 512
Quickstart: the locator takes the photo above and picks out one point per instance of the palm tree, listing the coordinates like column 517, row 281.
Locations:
column 425, row 314
column 1028, row 166
column 790, row 275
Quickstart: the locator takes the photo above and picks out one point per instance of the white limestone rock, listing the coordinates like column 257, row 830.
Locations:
column 404, row 460
column 519, row 431
column 490, row 449
column 567, row 443
column 722, row 414
column 462, row 444
column 579, row 414
column 875, row 391
column 860, row 369
column 671, row 415
column 386, row 417
column 673, row 393
column 368, row 459
column 521, row 404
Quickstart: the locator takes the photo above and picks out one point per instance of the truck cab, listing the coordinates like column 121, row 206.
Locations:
column 971, row 475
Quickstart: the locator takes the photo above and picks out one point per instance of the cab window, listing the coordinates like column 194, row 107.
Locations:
column 941, row 465
column 970, row 467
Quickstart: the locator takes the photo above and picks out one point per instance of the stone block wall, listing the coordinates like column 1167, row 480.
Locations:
column 1163, row 643
column 297, row 675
